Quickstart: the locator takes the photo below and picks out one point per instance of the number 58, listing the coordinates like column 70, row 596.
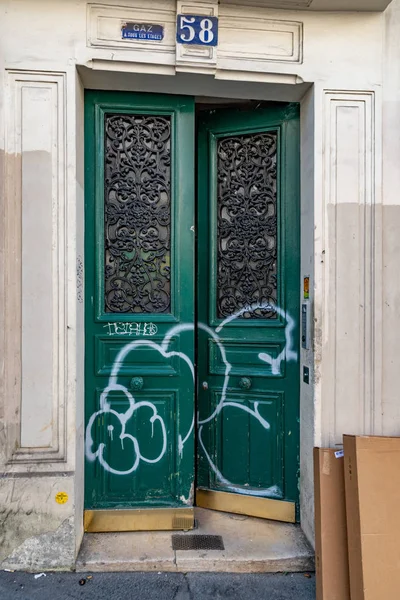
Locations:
column 188, row 32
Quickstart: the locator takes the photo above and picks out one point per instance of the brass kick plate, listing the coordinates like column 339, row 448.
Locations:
column 252, row 506
column 151, row 519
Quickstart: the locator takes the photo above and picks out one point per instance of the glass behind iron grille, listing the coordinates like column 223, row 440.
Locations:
column 247, row 226
column 137, row 213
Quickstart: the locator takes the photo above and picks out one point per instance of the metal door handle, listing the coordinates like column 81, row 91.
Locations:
column 137, row 383
column 245, row 383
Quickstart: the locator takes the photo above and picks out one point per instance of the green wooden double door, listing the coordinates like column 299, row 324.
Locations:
column 191, row 306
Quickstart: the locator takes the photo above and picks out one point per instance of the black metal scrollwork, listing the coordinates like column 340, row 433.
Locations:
column 247, row 225
column 137, row 213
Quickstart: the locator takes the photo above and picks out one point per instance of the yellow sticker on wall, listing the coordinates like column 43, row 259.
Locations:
column 61, row 497
column 306, row 288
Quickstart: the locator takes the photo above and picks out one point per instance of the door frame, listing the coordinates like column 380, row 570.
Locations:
column 89, row 180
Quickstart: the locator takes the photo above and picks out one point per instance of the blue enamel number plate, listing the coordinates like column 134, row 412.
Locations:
column 199, row 30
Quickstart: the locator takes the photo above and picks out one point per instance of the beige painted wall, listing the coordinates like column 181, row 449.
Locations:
column 333, row 64
column 390, row 226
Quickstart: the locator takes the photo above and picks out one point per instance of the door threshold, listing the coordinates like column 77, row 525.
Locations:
column 251, row 545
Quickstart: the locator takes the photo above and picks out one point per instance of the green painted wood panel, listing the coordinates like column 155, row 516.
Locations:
column 139, row 378
column 248, row 439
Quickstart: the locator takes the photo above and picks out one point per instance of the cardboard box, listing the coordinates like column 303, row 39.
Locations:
column 331, row 561
column 372, row 482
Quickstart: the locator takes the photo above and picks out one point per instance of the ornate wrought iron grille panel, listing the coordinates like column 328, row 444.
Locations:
column 247, row 225
column 137, row 213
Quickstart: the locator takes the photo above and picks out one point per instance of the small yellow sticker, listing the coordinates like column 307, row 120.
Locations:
column 61, row 497
column 306, row 288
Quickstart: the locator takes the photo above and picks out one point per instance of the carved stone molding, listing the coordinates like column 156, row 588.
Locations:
column 249, row 40
column 104, row 23
column 260, row 40
column 35, row 255
column 350, row 401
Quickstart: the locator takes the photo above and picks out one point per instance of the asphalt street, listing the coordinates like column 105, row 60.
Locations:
column 156, row 586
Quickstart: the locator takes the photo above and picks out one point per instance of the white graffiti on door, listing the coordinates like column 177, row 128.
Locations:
column 130, row 445
column 145, row 329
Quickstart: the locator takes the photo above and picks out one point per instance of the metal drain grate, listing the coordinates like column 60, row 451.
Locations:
column 197, row 542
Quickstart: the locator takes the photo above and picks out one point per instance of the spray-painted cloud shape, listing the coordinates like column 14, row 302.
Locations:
column 117, row 432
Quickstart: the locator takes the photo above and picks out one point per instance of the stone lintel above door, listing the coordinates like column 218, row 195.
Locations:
column 260, row 41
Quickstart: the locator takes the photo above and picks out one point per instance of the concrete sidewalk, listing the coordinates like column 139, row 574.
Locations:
column 156, row 586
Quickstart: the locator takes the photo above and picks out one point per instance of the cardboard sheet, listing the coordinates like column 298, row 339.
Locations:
column 331, row 559
column 372, row 482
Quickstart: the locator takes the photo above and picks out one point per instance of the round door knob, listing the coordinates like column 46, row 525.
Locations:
column 137, row 383
column 245, row 383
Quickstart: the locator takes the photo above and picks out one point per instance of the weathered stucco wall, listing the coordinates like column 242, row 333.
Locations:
column 390, row 225
column 41, row 361
column 333, row 64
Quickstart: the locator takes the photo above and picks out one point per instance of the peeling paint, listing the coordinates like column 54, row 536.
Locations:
column 28, row 510
column 190, row 500
column 51, row 550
